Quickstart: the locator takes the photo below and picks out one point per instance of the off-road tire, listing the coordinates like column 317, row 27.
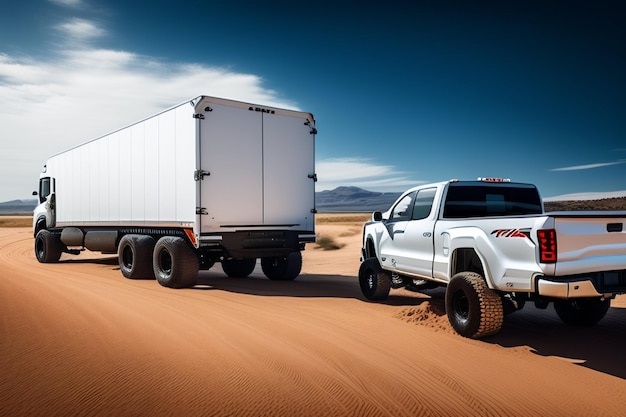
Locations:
column 473, row 309
column 174, row 262
column 135, row 256
column 238, row 268
column 48, row 246
column 582, row 311
column 375, row 282
column 285, row 268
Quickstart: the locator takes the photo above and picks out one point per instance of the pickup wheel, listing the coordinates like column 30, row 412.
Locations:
column 48, row 246
column 582, row 311
column 473, row 309
column 135, row 256
column 238, row 268
column 282, row 268
column 375, row 282
column 175, row 264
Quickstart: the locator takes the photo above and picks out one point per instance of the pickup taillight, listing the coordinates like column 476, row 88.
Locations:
column 547, row 245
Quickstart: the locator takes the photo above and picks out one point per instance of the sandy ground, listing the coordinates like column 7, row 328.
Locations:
column 77, row 338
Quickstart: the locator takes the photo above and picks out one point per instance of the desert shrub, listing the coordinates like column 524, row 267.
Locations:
column 328, row 243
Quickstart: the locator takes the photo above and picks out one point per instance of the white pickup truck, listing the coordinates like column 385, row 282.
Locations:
column 491, row 243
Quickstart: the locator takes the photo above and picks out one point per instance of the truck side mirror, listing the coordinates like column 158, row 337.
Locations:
column 377, row 216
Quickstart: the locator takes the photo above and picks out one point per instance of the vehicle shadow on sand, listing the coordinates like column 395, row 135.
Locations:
column 305, row 286
column 314, row 285
column 600, row 347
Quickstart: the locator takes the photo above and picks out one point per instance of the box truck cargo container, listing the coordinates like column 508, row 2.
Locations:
column 210, row 180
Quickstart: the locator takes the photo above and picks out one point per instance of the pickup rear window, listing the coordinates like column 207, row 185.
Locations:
column 478, row 199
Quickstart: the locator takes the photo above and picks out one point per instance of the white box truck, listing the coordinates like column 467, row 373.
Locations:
column 210, row 180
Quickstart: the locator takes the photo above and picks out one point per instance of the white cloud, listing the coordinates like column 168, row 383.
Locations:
column 589, row 166
column 362, row 173
column 81, row 28
column 50, row 104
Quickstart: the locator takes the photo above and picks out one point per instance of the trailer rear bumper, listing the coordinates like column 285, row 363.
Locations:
column 258, row 243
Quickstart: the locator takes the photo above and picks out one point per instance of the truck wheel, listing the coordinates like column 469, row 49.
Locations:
column 175, row 264
column 375, row 283
column 48, row 247
column 135, row 256
column 238, row 268
column 473, row 309
column 282, row 268
column 582, row 311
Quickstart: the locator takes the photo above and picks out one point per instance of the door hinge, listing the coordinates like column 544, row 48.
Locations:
column 313, row 177
column 201, row 210
column 198, row 116
column 199, row 174
column 313, row 210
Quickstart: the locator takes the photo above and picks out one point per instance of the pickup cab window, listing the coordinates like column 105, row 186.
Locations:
column 402, row 210
column 483, row 200
column 423, row 203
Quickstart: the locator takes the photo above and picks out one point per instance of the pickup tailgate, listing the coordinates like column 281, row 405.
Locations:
column 590, row 242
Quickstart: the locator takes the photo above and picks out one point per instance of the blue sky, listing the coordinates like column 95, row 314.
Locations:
column 529, row 90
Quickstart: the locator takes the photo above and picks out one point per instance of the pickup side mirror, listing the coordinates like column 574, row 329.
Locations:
column 377, row 216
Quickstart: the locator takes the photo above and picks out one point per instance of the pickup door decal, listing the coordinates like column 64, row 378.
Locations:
column 508, row 233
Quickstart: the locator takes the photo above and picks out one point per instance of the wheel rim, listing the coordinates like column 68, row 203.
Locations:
column 127, row 257
column 461, row 306
column 371, row 277
column 165, row 260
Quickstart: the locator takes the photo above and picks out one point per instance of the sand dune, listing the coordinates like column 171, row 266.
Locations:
column 77, row 338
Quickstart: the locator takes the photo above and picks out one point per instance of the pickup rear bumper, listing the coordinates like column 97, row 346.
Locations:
column 593, row 284
column 575, row 289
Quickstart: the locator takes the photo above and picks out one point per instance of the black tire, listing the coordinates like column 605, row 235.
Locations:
column 175, row 264
column 582, row 311
column 473, row 309
column 48, row 246
column 135, row 256
column 375, row 282
column 238, row 268
column 285, row 268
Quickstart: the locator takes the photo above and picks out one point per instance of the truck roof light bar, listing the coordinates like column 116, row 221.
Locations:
column 492, row 179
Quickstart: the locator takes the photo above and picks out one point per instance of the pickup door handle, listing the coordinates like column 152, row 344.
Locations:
column 398, row 231
column 614, row 227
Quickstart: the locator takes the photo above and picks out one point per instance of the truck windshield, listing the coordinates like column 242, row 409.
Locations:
column 477, row 199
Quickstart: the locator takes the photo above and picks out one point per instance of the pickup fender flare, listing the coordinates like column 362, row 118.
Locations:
column 371, row 243
column 474, row 239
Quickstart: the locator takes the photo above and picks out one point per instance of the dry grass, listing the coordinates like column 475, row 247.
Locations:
column 16, row 221
column 343, row 218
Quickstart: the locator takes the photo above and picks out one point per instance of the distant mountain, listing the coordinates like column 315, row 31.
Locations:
column 18, row 207
column 587, row 196
column 353, row 199
column 602, row 204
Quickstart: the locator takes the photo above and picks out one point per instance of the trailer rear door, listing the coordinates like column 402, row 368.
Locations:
column 258, row 166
